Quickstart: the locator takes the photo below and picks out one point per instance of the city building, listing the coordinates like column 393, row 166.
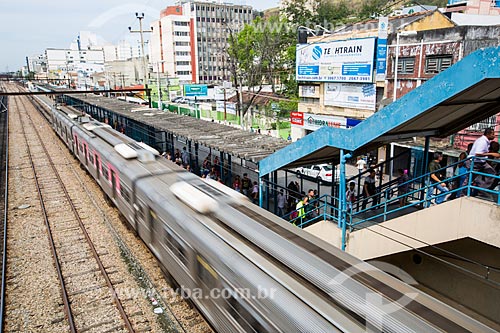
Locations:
column 341, row 88
column 122, row 51
column 212, row 24
column 69, row 60
column 170, row 45
column 475, row 7
column 36, row 63
column 424, row 54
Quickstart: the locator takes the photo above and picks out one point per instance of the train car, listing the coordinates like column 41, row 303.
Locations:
column 243, row 267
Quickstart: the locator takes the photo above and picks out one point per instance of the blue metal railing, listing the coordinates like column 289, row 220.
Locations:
column 324, row 209
column 420, row 194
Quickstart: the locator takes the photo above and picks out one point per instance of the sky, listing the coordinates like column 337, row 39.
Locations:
column 28, row 27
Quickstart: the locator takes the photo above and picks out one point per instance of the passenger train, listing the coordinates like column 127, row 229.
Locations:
column 244, row 268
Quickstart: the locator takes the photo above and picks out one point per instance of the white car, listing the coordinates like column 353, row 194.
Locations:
column 321, row 172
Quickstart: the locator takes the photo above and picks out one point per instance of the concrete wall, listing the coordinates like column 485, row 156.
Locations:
column 454, row 282
column 453, row 220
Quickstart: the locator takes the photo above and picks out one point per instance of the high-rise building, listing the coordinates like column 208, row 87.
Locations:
column 190, row 40
column 170, row 44
column 212, row 25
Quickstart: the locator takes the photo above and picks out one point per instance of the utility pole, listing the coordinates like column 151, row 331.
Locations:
column 141, row 31
column 225, row 104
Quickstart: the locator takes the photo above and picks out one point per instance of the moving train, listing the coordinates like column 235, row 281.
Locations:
column 244, row 268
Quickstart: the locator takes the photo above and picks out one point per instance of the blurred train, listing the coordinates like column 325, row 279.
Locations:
column 244, row 268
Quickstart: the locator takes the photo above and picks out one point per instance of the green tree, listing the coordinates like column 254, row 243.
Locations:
column 300, row 12
column 373, row 8
column 261, row 53
column 329, row 13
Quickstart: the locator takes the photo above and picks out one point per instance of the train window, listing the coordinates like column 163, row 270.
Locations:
column 91, row 158
column 104, row 171
column 141, row 211
column 206, row 273
column 176, row 246
column 245, row 319
column 124, row 192
column 80, row 145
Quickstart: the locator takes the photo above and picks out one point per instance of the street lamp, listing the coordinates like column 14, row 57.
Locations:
column 399, row 33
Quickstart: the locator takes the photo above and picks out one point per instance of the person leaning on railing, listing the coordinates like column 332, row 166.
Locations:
column 481, row 148
column 436, row 179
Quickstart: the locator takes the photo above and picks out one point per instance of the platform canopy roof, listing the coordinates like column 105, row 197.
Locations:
column 463, row 95
column 249, row 146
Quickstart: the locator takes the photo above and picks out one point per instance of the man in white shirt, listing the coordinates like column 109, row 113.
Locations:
column 361, row 164
column 480, row 148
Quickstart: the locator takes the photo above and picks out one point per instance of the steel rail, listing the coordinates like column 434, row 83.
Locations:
column 5, row 215
column 82, row 227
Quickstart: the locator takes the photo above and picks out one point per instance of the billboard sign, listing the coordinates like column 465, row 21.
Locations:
column 191, row 90
column 230, row 107
column 336, row 61
column 351, row 95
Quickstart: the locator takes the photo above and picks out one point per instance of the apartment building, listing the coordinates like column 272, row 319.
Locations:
column 170, row 45
column 213, row 24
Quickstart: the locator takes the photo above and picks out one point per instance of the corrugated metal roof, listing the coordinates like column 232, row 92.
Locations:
column 243, row 144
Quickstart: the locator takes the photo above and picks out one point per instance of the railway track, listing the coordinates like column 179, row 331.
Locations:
column 4, row 162
column 135, row 265
column 89, row 297
column 180, row 316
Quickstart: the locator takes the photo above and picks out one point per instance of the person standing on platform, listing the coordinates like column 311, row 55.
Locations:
column 281, row 203
column 361, row 164
column 245, row 184
column 350, row 196
column 403, row 187
column 370, row 190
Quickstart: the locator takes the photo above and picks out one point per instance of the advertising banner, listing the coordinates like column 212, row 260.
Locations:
column 337, row 61
column 191, row 90
column 381, row 56
column 313, row 122
column 230, row 107
column 351, row 95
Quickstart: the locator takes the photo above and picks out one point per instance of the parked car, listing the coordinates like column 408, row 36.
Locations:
column 321, row 172
column 180, row 100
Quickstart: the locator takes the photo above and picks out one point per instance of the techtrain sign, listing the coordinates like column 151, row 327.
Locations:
column 338, row 61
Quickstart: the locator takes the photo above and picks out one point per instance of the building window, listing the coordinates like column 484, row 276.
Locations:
column 181, row 33
column 406, row 65
column 182, row 63
column 181, row 43
column 181, row 24
column 437, row 64
column 489, row 122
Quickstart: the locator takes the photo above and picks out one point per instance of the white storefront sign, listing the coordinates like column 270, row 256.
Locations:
column 351, row 95
column 313, row 122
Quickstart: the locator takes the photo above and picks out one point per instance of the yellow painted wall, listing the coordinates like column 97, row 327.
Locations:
column 434, row 21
